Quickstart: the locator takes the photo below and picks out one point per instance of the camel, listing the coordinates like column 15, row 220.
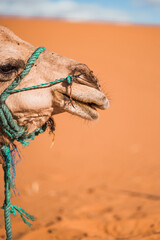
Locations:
column 35, row 107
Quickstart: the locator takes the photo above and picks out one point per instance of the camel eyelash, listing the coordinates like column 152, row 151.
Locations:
column 8, row 69
column 11, row 66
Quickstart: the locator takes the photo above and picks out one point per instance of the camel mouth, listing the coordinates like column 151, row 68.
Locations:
column 84, row 106
column 85, row 109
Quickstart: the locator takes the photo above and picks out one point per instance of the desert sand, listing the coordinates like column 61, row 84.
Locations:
column 101, row 180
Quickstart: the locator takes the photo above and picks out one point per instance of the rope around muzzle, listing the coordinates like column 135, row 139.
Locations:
column 18, row 133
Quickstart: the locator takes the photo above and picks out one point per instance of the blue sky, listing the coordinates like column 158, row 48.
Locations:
column 118, row 11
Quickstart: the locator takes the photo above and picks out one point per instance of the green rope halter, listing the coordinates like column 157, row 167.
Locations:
column 19, row 133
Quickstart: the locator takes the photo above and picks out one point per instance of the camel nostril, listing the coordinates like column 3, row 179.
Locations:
column 83, row 75
column 87, row 80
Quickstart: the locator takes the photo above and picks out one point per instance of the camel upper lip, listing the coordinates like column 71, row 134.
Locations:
column 86, row 95
column 93, row 105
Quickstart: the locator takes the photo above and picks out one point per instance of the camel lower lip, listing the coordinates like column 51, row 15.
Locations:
column 86, row 107
column 89, row 109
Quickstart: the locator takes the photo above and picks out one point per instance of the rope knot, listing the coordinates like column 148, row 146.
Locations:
column 69, row 79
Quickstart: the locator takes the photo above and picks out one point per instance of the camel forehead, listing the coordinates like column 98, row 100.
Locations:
column 6, row 35
column 11, row 46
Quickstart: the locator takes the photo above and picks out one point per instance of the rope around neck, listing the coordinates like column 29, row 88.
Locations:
column 19, row 133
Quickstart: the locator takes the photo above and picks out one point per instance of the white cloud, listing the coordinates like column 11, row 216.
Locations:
column 66, row 9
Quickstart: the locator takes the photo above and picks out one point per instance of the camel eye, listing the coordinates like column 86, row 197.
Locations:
column 7, row 69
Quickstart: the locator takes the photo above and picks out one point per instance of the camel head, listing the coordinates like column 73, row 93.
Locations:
column 35, row 107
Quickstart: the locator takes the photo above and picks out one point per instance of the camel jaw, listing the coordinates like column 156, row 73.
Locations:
column 83, row 103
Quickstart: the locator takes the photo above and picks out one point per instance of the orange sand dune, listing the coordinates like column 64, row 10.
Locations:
column 101, row 180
